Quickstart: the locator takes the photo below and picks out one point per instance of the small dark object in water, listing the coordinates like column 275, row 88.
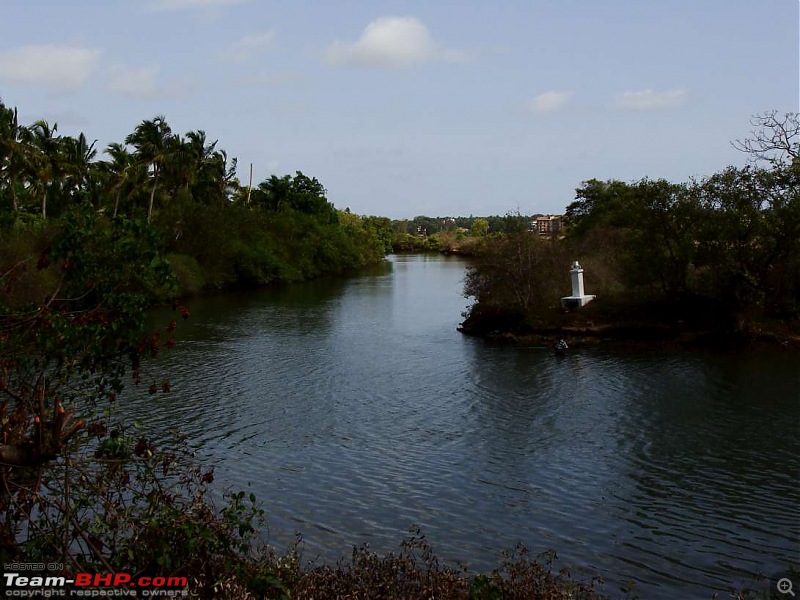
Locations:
column 560, row 346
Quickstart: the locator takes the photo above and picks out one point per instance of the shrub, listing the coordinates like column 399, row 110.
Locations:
column 188, row 273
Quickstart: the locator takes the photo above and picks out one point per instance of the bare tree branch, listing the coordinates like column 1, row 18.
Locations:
column 774, row 137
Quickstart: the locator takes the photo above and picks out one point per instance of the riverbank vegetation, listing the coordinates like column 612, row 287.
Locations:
column 214, row 232
column 716, row 257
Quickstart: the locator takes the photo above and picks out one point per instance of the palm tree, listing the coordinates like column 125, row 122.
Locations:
column 180, row 171
column 219, row 178
column 197, row 153
column 199, row 171
column 13, row 151
column 78, row 155
column 152, row 143
column 213, row 178
column 274, row 193
column 122, row 174
column 46, row 165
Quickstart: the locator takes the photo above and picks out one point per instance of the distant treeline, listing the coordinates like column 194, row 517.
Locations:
column 214, row 231
column 462, row 235
column 422, row 225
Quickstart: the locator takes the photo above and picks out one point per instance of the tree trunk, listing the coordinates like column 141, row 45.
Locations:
column 152, row 196
column 250, row 184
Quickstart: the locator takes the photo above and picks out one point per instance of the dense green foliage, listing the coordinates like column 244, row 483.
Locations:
column 215, row 231
column 721, row 253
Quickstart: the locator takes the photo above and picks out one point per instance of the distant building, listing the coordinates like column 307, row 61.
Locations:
column 547, row 226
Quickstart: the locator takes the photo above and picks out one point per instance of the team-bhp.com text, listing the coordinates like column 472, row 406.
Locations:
column 109, row 584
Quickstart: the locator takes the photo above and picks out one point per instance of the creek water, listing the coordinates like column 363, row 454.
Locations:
column 354, row 410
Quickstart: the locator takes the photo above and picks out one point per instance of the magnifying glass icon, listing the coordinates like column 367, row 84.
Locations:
column 785, row 586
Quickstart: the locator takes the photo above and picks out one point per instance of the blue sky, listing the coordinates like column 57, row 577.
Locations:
column 407, row 108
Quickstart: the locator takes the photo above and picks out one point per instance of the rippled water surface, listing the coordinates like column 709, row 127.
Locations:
column 354, row 409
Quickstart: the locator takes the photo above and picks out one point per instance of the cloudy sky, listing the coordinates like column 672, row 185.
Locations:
column 419, row 107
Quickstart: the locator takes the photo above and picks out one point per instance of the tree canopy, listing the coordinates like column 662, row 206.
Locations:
column 729, row 242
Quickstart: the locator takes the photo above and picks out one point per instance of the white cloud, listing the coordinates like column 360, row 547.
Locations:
column 550, row 101
column 650, row 100
column 191, row 4
column 393, row 42
column 141, row 82
column 245, row 48
column 144, row 83
column 56, row 68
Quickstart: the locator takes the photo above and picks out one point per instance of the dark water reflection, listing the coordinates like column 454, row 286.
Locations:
column 354, row 410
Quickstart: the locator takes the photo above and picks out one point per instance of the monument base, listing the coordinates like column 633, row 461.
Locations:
column 572, row 302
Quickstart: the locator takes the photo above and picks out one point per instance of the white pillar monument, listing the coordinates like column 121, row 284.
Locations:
column 579, row 297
